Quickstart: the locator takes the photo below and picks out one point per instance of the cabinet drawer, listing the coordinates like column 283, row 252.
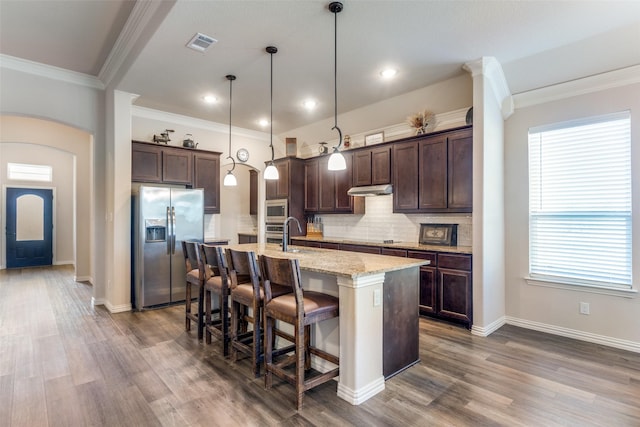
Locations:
column 454, row 261
column 431, row 256
column 360, row 248
column 331, row 245
column 394, row 252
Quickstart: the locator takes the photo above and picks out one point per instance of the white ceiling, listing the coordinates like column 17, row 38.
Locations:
column 538, row 43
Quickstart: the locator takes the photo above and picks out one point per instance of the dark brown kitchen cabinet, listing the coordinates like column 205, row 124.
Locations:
column 154, row 163
column 326, row 191
column 445, row 286
column 434, row 173
column 432, row 182
column 253, row 192
column 360, row 248
column 280, row 188
column 311, row 176
column 176, row 166
column 146, row 163
column 460, row 171
column 206, row 175
column 372, row 166
column 405, row 177
column 247, row 238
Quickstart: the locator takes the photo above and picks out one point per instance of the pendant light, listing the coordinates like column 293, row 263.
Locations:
column 230, row 179
column 271, row 172
column 337, row 161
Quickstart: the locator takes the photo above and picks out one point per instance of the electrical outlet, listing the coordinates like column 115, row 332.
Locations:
column 584, row 308
column 377, row 297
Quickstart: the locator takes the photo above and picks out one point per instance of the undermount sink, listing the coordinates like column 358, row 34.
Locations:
column 295, row 250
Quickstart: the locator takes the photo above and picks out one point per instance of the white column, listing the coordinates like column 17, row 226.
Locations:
column 360, row 338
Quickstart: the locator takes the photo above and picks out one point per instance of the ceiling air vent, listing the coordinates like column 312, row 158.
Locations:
column 201, row 42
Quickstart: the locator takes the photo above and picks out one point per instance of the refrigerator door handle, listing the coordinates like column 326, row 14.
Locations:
column 173, row 230
column 169, row 231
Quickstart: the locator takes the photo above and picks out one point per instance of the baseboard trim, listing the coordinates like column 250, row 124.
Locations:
column 485, row 331
column 575, row 334
column 356, row 397
column 83, row 279
column 112, row 308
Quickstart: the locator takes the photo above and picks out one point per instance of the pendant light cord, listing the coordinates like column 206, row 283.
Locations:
column 231, row 78
column 271, row 51
column 335, row 7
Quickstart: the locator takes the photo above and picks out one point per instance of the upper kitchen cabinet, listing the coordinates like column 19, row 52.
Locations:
column 326, row 191
column 253, row 192
column 434, row 173
column 289, row 183
column 153, row 163
column 372, row 166
column 146, row 162
column 176, row 166
column 206, row 175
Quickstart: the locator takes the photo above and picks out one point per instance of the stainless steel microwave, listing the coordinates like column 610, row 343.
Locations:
column 277, row 211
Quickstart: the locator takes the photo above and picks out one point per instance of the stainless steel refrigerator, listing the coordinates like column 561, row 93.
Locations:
column 163, row 217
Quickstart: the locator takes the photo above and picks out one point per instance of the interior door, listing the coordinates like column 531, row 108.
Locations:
column 29, row 229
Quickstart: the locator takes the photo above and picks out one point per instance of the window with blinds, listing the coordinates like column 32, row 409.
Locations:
column 580, row 202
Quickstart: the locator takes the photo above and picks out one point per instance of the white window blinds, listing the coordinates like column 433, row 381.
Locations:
column 580, row 202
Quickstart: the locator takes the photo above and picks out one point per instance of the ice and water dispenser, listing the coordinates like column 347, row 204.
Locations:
column 155, row 230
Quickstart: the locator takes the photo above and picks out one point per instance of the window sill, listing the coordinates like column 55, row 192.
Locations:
column 603, row 290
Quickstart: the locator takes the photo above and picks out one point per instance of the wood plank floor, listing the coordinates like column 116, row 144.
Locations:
column 66, row 363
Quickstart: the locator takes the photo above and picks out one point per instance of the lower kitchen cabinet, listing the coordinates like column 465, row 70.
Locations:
column 446, row 288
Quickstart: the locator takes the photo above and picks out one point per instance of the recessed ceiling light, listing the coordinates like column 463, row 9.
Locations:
column 210, row 99
column 388, row 73
column 263, row 122
column 309, row 104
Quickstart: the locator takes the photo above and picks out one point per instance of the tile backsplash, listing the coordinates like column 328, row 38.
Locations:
column 380, row 223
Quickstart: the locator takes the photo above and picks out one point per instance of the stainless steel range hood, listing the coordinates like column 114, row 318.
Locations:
column 371, row 190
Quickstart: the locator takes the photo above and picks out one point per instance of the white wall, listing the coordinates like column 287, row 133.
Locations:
column 614, row 320
column 29, row 140
column 77, row 101
column 442, row 97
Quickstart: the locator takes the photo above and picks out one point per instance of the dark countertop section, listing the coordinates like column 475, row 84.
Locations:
column 249, row 233
column 395, row 245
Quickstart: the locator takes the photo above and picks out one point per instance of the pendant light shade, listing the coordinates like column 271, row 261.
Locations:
column 230, row 179
column 337, row 161
column 271, row 172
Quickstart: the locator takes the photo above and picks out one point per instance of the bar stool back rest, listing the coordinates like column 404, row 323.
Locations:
column 214, row 267
column 194, row 277
column 301, row 310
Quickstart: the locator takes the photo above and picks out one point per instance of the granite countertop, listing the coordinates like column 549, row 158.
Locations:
column 395, row 245
column 334, row 262
column 208, row 239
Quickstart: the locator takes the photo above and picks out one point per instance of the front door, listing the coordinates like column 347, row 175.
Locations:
column 29, row 227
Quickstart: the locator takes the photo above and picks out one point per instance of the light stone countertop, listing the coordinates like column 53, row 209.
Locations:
column 395, row 245
column 334, row 262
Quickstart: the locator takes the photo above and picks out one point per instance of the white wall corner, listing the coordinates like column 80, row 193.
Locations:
column 485, row 331
column 490, row 68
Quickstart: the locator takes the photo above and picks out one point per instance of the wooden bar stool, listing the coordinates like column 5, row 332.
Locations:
column 301, row 309
column 194, row 277
column 213, row 266
column 247, row 293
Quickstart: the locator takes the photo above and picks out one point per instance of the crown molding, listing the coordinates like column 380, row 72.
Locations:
column 490, row 68
column 141, row 14
column 149, row 113
column 50, row 72
column 590, row 84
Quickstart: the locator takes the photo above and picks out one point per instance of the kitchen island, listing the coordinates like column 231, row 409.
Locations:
column 376, row 334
